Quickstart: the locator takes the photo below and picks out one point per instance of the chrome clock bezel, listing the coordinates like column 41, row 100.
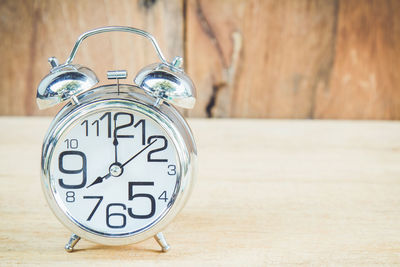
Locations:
column 129, row 97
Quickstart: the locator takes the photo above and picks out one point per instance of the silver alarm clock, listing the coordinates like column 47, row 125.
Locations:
column 118, row 161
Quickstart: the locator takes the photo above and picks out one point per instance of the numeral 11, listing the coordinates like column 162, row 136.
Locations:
column 96, row 122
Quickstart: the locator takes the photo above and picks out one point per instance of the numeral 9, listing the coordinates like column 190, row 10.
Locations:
column 82, row 170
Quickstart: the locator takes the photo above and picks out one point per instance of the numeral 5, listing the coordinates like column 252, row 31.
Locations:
column 132, row 196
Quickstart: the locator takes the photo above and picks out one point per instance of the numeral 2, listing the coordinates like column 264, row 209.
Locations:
column 165, row 145
column 120, row 127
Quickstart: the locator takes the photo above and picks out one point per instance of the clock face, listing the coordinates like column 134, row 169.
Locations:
column 115, row 173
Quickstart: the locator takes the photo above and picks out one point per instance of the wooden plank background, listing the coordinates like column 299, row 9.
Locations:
column 257, row 58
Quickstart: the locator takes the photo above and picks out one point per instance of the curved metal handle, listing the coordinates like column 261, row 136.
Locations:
column 116, row 29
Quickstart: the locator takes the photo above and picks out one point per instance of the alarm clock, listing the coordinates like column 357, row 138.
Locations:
column 118, row 161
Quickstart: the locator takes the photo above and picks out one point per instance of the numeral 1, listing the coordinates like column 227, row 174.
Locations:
column 143, row 124
column 108, row 116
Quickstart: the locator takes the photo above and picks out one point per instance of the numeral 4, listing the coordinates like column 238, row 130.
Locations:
column 163, row 196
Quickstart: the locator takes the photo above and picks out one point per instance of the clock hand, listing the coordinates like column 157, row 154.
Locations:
column 120, row 167
column 99, row 179
column 137, row 154
column 115, row 143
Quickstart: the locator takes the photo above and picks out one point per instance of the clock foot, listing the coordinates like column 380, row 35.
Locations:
column 69, row 247
column 159, row 237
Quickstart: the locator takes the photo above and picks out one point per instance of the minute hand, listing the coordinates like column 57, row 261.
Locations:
column 137, row 154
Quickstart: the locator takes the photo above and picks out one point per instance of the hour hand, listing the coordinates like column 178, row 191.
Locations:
column 99, row 180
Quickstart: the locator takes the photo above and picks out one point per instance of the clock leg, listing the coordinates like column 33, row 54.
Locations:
column 69, row 247
column 159, row 237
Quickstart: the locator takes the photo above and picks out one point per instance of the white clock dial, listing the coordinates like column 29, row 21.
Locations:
column 115, row 173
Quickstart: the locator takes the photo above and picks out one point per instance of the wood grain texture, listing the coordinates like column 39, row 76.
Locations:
column 265, row 58
column 248, row 58
column 313, row 193
column 365, row 78
column 34, row 30
column 295, row 59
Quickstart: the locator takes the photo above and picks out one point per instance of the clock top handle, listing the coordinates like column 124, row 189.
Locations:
column 117, row 29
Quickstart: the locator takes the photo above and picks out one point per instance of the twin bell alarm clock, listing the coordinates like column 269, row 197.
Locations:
column 118, row 161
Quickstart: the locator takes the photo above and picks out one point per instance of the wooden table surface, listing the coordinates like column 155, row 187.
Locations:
column 268, row 192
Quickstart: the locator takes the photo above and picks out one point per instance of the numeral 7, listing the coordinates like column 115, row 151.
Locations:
column 100, row 198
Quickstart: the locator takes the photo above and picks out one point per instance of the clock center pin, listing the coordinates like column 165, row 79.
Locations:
column 116, row 170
